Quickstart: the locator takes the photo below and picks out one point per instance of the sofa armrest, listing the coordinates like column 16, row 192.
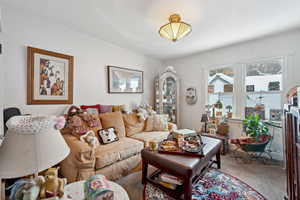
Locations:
column 172, row 127
column 81, row 154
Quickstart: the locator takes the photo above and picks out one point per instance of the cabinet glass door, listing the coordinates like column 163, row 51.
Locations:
column 169, row 98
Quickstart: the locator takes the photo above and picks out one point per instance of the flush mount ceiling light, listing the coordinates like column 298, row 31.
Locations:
column 176, row 29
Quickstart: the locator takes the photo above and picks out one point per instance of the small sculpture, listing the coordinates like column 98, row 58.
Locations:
column 191, row 96
column 144, row 111
column 53, row 186
column 90, row 138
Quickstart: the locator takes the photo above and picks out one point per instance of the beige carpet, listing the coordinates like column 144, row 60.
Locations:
column 267, row 179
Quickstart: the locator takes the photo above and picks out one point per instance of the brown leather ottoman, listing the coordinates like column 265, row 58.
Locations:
column 184, row 167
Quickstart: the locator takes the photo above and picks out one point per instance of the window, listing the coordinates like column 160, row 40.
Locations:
column 242, row 89
column 220, row 91
column 263, row 84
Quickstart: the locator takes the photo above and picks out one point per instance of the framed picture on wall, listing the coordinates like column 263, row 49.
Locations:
column 275, row 114
column 49, row 77
column 124, row 80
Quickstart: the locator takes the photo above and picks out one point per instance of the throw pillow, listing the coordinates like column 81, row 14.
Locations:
column 91, row 109
column 79, row 124
column 105, row 108
column 92, row 120
column 144, row 111
column 115, row 120
column 161, row 122
column 116, row 108
column 149, row 124
column 133, row 124
column 157, row 123
column 108, row 135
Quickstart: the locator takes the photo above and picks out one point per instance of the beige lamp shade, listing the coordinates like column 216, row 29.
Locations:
column 31, row 145
column 176, row 29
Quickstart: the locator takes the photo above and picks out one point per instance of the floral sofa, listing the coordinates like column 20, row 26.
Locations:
column 115, row 159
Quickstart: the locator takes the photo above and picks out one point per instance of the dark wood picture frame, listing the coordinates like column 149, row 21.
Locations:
column 31, row 51
column 109, row 90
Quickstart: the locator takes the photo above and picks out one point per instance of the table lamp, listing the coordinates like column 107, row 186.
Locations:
column 32, row 144
column 204, row 119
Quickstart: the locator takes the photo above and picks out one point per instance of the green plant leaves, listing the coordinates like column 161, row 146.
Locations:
column 255, row 127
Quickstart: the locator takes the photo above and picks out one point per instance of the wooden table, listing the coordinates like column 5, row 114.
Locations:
column 186, row 168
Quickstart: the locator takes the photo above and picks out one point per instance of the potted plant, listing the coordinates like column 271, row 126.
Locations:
column 229, row 113
column 258, row 132
column 219, row 106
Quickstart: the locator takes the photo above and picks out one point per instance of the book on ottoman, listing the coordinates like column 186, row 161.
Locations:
column 184, row 132
column 170, row 179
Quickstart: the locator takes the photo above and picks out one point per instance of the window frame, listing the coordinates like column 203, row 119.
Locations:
column 215, row 67
column 239, row 83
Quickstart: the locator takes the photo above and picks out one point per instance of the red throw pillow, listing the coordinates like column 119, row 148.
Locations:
column 91, row 109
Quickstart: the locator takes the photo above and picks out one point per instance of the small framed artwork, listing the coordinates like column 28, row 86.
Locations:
column 211, row 125
column 275, row 114
column 124, row 80
column 212, row 131
column 49, row 77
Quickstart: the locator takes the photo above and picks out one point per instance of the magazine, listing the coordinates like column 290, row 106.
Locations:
column 168, row 178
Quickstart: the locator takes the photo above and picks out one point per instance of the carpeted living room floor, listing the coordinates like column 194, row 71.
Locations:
column 268, row 179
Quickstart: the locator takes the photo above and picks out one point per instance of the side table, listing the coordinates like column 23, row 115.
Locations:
column 224, row 139
column 75, row 191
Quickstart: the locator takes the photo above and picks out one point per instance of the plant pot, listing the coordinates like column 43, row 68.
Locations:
column 256, row 146
column 219, row 114
column 229, row 115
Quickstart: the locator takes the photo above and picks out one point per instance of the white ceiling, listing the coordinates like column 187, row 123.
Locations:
column 134, row 24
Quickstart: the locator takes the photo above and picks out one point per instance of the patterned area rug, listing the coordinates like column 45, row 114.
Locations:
column 215, row 185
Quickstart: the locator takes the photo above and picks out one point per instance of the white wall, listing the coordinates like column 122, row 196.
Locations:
column 1, row 81
column 91, row 56
column 191, row 69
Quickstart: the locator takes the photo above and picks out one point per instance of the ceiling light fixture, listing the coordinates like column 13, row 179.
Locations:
column 176, row 29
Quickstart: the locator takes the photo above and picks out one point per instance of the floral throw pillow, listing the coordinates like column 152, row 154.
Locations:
column 108, row 135
column 160, row 123
column 157, row 123
column 77, row 125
